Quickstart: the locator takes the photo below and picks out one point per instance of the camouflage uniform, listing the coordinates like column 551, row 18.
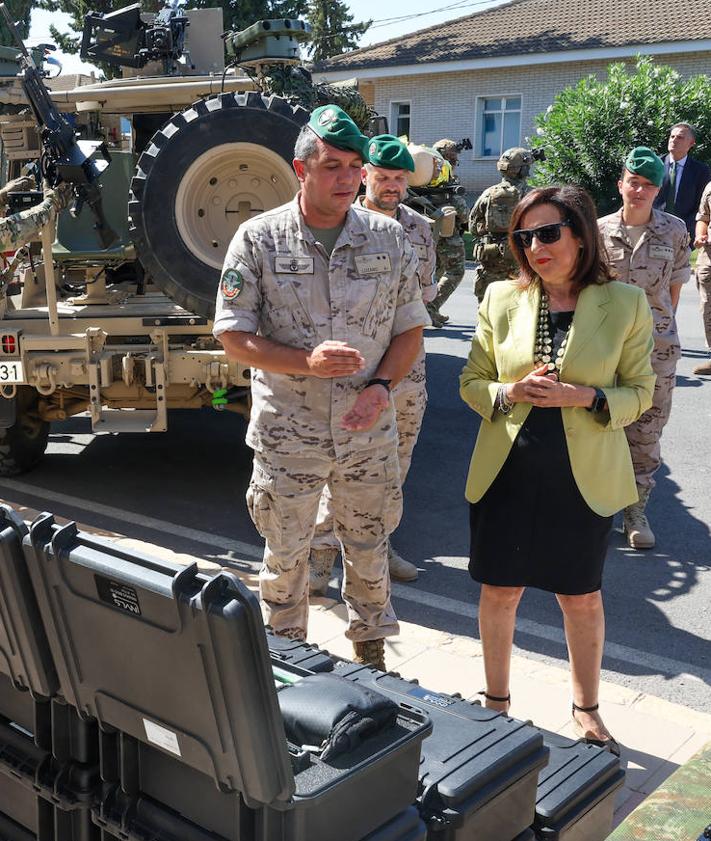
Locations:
column 490, row 218
column 449, row 270
column 703, row 265
column 278, row 282
column 21, row 227
column 659, row 261
column 410, row 394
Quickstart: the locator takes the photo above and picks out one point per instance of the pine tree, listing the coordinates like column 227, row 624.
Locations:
column 333, row 31
column 20, row 11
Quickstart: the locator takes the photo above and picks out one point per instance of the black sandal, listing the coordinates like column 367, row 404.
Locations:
column 607, row 744
column 499, row 699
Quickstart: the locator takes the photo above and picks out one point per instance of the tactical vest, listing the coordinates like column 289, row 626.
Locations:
column 503, row 198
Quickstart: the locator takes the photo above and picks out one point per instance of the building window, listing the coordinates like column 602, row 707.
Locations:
column 400, row 118
column 500, row 121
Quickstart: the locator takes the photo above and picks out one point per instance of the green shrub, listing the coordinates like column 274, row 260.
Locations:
column 591, row 126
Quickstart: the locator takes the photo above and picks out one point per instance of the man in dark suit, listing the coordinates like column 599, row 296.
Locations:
column 684, row 177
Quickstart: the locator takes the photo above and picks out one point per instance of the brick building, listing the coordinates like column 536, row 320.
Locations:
column 487, row 75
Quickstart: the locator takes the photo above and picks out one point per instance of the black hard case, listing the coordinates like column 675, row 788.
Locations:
column 179, row 661
column 479, row 768
column 282, row 649
column 575, row 800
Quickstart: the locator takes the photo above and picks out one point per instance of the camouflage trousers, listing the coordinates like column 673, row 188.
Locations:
column 703, row 283
column 450, row 268
column 283, row 501
column 483, row 277
column 644, row 435
column 410, row 405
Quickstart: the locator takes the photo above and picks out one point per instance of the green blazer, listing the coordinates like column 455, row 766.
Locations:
column 608, row 347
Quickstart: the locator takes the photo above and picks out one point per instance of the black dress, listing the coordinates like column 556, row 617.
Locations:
column 532, row 527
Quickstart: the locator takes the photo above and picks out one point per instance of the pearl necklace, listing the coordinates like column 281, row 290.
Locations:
column 544, row 341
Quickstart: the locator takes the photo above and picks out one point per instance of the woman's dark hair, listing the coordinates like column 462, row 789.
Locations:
column 577, row 208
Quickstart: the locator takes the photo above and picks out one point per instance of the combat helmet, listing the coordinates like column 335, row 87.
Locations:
column 447, row 149
column 516, row 162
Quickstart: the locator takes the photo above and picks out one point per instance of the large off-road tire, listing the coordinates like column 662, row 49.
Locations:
column 23, row 444
column 211, row 167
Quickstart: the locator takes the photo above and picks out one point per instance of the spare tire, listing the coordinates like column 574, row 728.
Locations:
column 210, row 168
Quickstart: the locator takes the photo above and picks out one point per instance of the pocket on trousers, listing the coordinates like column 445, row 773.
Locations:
column 392, row 499
column 261, row 502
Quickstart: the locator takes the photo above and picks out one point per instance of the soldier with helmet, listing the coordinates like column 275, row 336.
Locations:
column 450, row 250
column 490, row 217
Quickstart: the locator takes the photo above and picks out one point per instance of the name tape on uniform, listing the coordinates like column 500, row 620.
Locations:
column 661, row 252
column 294, row 265
column 421, row 250
column 373, row 263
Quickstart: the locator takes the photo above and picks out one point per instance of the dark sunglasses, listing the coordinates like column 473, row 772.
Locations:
column 545, row 234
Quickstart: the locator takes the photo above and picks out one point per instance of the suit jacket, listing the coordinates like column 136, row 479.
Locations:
column 694, row 177
column 609, row 347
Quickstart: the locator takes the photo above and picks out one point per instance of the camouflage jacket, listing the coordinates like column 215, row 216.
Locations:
column 21, row 227
column 277, row 281
column 704, row 215
column 659, row 261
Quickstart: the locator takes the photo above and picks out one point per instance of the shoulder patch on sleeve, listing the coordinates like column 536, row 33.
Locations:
column 231, row 284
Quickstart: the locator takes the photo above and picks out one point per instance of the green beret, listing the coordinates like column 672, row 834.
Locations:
column 335, row 127
column 390, row 152
column 643, row 161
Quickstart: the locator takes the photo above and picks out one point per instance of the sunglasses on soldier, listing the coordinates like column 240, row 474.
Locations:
column 545, row 234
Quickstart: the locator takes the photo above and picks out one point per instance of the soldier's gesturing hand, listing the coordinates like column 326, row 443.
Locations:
column 366, row 410
column 334, row 359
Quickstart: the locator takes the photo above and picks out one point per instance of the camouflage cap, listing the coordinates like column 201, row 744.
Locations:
column 388, row 152
column 335, row 127
column 643, row 161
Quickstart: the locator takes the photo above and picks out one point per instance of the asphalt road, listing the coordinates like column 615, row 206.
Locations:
column 184, row 489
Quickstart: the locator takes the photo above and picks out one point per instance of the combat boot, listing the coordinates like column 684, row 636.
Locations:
column 636, row 525
column 400, row 569
column 704, row 368
column 321, row 563
column 370, row 653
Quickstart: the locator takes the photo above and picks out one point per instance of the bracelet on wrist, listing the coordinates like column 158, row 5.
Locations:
column 503, row 404
column 380, row 381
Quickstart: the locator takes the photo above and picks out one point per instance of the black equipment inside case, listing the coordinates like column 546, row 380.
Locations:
column 576, row 791
column 177, row 662
column 298, row 653
column 479, row 769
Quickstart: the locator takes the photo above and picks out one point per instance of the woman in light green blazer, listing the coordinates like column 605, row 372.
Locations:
column 559, row 365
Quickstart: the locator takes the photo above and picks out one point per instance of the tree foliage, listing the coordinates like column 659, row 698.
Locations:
column 333, row 30
column 590, row 127
column 20, row 11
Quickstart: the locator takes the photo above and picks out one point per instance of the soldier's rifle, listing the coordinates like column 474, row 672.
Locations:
column 64, row 159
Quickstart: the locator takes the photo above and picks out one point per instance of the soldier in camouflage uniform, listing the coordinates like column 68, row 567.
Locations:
column 490, row 217
column 321, row 300
column 19, row 228
column 449, row 270
column 650, row 249
column 385, row 180
column 703, row 271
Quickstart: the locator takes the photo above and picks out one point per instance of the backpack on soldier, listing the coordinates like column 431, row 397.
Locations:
column 503, row 198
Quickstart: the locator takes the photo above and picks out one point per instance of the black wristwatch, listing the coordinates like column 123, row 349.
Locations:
column 379, row 381
column 599, row 403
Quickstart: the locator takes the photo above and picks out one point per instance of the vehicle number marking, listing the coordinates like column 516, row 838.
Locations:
column 11, row 371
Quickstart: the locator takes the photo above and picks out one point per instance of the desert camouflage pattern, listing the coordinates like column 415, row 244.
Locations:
column 449, row 269
column 410, row 394
column 658, row 261
column 491, row 248
column 679, row 810
column 291, row 292
column 22, row 227
column 703, row 266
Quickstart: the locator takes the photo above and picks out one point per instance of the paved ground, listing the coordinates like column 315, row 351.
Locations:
column 184, row 491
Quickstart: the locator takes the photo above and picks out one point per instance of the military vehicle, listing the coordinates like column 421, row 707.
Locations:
column 118, row 322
